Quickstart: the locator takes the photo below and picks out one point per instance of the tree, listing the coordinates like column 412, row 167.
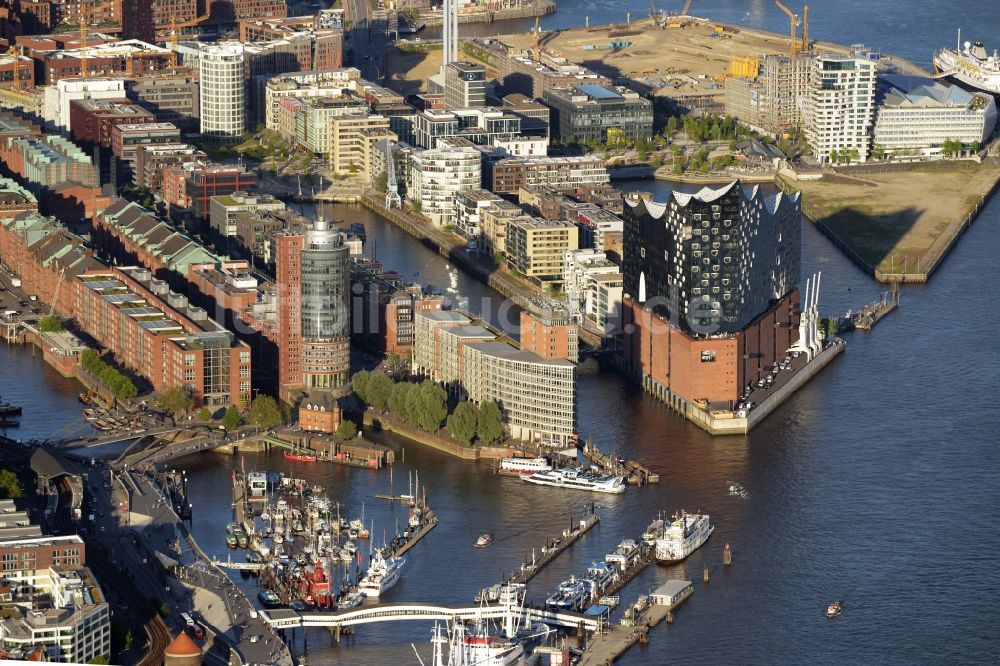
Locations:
column 99, row 659
column 489, row 424
column 878, row 152
column 175, row 400
column 463, row 421
column 360, row 382
column 672, row 125
column 50, row 324
column 431, row 406
column 264, row 412
column 833, row 157
column 398, row 399
column 347, row 430
column 10, row 485
column 417, row 206
column 380, row 390
column 382, row 181
column 204, row 414
column 231, row 421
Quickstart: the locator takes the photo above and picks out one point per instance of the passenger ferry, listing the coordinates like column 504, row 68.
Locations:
column 626, row 554
column 575, row 479
column 571, row 594
column 382, row 574
column 682, row 537
column 524, row 465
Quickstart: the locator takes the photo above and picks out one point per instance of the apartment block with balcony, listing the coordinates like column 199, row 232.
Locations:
column 840, row 108
column 436, row 178
column 536, row 247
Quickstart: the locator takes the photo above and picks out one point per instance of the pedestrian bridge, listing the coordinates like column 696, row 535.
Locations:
column 289, row 619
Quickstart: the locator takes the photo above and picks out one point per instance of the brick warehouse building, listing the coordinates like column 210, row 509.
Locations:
column 711, row 301
column 154, row 332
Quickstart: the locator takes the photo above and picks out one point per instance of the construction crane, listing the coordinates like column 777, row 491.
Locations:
column 392, row 197
column 794, row 19
column 16, row 52
column 678, row 21
column 805, row 28
column 52, row 305
column 175, row 24
column 83, row 32
column 538, row 34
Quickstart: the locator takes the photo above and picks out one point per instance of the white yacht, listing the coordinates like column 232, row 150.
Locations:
column 578, row 480
column 625, row 555
column 524, row 465
column 682, row 537
column 382, row 574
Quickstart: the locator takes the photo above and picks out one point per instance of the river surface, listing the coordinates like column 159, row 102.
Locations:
column 904, row 28
column 877, row 484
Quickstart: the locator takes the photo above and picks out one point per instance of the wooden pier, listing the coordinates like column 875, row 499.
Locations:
column 607, row 647
column 530, row 568
column 635, row 473
column 429, row 522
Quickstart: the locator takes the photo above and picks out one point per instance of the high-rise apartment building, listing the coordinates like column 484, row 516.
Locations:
column 464, row 85
column 313, row 277
column 438, row 175
column 222, row 90
column 840, row 108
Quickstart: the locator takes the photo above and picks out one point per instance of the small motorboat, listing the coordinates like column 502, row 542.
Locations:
column 484, row 540
column 834, row 610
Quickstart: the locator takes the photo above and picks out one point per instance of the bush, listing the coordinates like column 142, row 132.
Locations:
column 204, row 414
column 10, row 485
column 115, row 381
column 50, row 324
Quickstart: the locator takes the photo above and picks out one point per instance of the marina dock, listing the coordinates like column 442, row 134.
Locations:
column 529, row 569
column 635, row 473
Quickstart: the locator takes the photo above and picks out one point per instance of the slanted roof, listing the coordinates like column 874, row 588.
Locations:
column 182, row 646
column 49, row 464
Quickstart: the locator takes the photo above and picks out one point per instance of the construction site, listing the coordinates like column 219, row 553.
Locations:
column 682, row 56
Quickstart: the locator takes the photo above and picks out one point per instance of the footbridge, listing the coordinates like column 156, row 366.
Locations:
column 420, row 612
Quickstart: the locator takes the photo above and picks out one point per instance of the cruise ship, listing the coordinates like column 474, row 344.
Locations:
column 578, row 480
column 971, row 65
column 382, row 574
column 682, row 537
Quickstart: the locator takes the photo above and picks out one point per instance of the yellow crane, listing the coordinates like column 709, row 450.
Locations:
column 792, row 43
column 16, row 52
column 83, row 32
column 677, row 21
column 175, row 24
column 805, row 28
column 538, row 54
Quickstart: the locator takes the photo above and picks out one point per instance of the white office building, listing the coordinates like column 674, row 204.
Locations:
column 438, row 175
column 917, row 115
column 593, row 286
column 840, row 108
column 55, row 107
column 223, row 90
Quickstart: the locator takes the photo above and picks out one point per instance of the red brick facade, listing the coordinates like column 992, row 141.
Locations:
column 671, row 364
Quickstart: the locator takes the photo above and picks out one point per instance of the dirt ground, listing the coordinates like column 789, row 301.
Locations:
column 684, row 59
column 411, row 69
column 890, row 218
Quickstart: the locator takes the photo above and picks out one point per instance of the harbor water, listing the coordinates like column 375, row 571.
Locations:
column 876, row 484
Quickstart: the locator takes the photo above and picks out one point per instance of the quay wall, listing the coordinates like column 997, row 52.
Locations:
column 931, row 261
column 389, row 424
column 540, row 8
column 448, row 246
